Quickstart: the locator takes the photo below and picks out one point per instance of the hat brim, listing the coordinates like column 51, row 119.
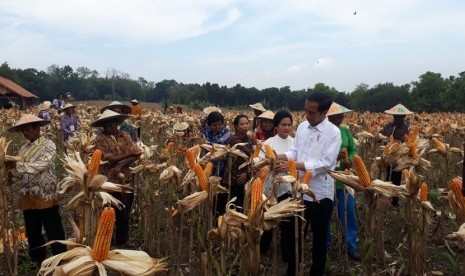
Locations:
column 101, row 122
column 339, row 112
column 18, row 128
column 398, row 113
column 126, row 109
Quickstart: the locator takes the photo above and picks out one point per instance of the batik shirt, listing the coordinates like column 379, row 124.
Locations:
column 221, row 138
column 110, row 145
column 37, row 175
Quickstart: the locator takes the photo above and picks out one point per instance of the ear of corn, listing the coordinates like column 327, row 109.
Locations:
column 440, row 146
column 202, row 177
column 456, row 188
column 307, row 177
column 263, row 174
column 293, row 169
column 424, row 192
column 196, row 150
column 256, row 195
column 94, row 164
column 269, row 152
column 208, row 169
column 190, row 158
column 361, row 170
column 102, row 241
column 257, row 150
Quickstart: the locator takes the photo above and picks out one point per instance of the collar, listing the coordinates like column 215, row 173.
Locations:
column 36, row 142
column 320, row 126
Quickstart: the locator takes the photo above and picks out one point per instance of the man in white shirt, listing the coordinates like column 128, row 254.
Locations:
column 316, row 147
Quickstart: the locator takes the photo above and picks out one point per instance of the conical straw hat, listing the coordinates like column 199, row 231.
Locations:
column 126, row 108
column 68, row 105
column 258, row 106
column 210, row 109
column 181, row 126
column 399, row 109
column 45, row 105
column 108, row 115
column 28, row 119
column 134, row 101
column 267, row 115
column 336, row 108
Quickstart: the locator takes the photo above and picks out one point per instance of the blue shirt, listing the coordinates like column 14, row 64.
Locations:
column 221, row 138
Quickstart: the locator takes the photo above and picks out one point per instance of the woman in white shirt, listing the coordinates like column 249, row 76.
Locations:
column 281, row 143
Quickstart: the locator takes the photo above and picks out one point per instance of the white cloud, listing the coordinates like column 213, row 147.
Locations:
column 296, row 69
column 324, row 64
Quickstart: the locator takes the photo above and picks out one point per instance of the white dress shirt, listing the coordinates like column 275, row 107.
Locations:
column 317, row 147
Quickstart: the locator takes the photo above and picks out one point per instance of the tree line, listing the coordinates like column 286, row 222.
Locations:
column 430, row 93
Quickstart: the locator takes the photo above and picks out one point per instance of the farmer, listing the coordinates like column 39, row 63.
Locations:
column 316, row 148
column 37, row 188
column 59, row 101
column 345, row 195
column 265, row 129
column 216, row 133
column 136, row 110
column 257, row 110
column 69, row 121
column 398, row 128
column 44, row 110
column 120, row 151
column 125, row 110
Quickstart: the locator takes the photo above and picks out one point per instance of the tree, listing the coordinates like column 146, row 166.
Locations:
column 427, row 92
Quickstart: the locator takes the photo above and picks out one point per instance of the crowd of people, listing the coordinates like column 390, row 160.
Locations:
column 318, row 143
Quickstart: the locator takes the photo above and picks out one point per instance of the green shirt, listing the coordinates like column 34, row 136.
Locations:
column 348, row 143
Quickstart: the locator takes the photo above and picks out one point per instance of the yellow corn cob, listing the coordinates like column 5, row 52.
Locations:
column 424, row 192
column 440, row 146
column 208, row 169
column 94, row 164
column 292, row 169
column 456, row 188
column 269, row 152
column 104, row 233
column 307, row 177
column 220, row 220
column 202, row 177
column 263, row 174
column 361, row 170
column 196, row 150
column 257, row 150
column 190, row 158
column 256, row 195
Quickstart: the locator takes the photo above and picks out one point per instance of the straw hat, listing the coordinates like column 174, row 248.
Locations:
column 68, row 105
column 181, row 126
column 258, row 106
column 28, row 119
column 267, row 115
column 108, row 115
column 126, row 108
column 210, row 109
column 45, row 105
column 335, row 109
column 134, row 101
column 399, row 109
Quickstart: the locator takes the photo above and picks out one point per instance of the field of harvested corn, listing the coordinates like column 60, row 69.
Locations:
column 172, row 219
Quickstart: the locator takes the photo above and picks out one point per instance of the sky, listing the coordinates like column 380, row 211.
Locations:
column 255, row 43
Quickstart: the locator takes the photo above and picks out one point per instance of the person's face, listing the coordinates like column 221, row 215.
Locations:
column 117, row 109
column 399, row 119
column 336, row 119
column 111, row 128
column 216, row 127
column 243, row 125
column 284, row 128
column 314, row 117
column 70, row 110
column 266, row 124
column 31, row 132
column 257, row 112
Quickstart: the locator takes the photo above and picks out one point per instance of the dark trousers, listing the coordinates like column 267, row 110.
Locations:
column 396, row 179
column 317, row 216
column 122, row 218
column 50, row 219
column 287, row 235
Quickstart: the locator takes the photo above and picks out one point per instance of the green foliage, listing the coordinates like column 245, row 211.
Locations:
column 454, row 263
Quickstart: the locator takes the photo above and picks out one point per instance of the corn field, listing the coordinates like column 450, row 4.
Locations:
column 176, row 232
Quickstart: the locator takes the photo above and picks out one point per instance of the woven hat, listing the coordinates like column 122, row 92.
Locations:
column 399, row 109
column 210, row 109
column 267, row 115
column 68, row 105
column 181, row 126
column 28, row 119
column 45, row 105
column 335, row 109
column 108, row 115
column 258, row 106
column 126, row 108
column 134, row 101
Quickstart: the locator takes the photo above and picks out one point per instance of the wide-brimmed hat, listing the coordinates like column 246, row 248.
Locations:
column 45, row 105
column 134, row 101
column 210, row 109
column 68, row 105
column 399, row 109
column 108, row 115
column 181, row 126
column 258, row 106
column 335, row 109
column 28, row 119
column 126, row 109
column 267, row 115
